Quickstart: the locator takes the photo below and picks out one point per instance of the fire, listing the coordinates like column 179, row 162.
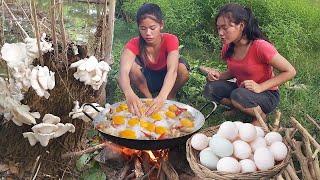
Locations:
column 152, row 157
column 124, row 150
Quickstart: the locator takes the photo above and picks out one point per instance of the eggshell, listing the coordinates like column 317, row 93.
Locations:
column 260, row 131
column 247, row 132
column 238, row 124
column 199, row 141
column 228, row 130
column 228, row 164
column 279, row 150
column 242, row 150
column 247, row 165
column 272, row 137
column 220, row 146
column 263, row 159
column 259, row 142
column 209, row 159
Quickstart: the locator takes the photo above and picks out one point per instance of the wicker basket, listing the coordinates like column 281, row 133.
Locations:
column 205, row 173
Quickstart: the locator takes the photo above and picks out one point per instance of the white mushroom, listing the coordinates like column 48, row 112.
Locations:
column 63, row 128
column 43, row 138
column 31, row 138
column 44, row 128
column 52, row 119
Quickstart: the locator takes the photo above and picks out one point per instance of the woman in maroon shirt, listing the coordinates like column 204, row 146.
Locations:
column 151, row 63
column 250, row 58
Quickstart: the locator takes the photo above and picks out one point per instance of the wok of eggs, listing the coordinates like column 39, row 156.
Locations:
column 170, row 122
column 239, row 148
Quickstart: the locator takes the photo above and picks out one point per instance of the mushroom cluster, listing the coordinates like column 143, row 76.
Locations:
column 78, row 112
column 42, row 79
column 19, row 58
column 91, row 72
column 49, row 128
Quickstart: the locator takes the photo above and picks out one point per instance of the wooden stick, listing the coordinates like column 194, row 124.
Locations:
column 15, row 20
column 53, row 29
column 302, row 160
column 261, row 121
column 36, row 28
column 276, row 124
column 313, row 121
column 86, row 151
column 286, row 175
column 292, row 172
column 308, row 153
column 317, row 167
column 303, row 131
column 137, row 168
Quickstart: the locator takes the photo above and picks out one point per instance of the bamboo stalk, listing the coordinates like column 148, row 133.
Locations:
column 15, row 20
column 63, row 35
column 36, row 28
column 53, row 29
column 303, row 131
column 109, row 39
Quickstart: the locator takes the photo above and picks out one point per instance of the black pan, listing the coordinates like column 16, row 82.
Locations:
column 156, row 144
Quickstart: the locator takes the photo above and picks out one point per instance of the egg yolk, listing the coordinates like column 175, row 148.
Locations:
column 161, row 130
column 156, row 116
column 173, row 108
column 143, row 109
column 148, row 102
column 118, row 120
column 144, row 124
column 170, row 114
column 133, row 122
column 128, row 133
column 122, row 107
column 187, row 123
column 151, row 127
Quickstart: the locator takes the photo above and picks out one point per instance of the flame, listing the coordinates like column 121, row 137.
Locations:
column 152, row 157
column 124, row 150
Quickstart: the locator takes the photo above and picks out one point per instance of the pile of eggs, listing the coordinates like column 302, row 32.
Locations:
column 239, row 147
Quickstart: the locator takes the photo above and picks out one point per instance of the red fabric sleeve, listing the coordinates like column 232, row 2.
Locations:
column 265, row 51
column 172, row 42
column 133, row 45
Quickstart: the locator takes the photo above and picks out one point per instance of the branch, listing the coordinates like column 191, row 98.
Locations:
column 313, row 121
column 35, row 21
column 261, row 121
column 276, row 124
column 302, row 160
column 86, row 151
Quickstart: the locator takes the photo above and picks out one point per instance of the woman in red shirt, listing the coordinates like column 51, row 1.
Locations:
column 250, row 58
column 151, row 63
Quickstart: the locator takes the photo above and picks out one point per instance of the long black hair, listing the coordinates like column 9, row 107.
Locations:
column 152, row 11
column 236, row 14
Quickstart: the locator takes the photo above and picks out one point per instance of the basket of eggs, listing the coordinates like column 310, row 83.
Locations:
column 236, row 150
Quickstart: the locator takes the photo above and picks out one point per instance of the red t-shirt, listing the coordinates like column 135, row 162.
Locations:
column 254, row 66
column 169, row 43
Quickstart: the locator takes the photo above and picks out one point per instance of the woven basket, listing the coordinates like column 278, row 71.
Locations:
column 205, row 173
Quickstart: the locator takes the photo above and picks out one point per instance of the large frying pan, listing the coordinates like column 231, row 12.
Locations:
column 157, row 144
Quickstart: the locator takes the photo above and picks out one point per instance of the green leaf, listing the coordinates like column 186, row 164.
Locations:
column 83, row 160
column 94, row 173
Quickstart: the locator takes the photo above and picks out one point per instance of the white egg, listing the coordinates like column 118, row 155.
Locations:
column 238, row 124
column 279, row 150
column 199, row 141
column 263, row 159
column 251, row 157
column 220, row 146
column 247, row 132
column 259, row 142
column 242, row 149
column 260, row 131
column 272, row 137
column 228, row 130
column 163, row 123
column 228, row 164
column 247, row 165
column 209, row 159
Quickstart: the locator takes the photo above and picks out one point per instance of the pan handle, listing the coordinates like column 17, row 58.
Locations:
column 214, row 104
column 88, row 104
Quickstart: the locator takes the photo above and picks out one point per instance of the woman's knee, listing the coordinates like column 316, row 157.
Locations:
column 183, row 72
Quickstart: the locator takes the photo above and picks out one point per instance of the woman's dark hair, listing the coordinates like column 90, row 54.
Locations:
column 152, row 11
column 236, row 14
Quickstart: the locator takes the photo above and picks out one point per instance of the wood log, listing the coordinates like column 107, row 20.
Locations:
column 276, row 124
column 170, row 171
column 302, row 160
column 286, row 175
column 137, row 168
column 303, row 131
column 308, row 154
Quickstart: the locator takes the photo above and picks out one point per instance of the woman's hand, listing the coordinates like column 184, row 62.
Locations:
column 134, row 104
column 252, row 86
column 155, row 106
column 213, row 75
